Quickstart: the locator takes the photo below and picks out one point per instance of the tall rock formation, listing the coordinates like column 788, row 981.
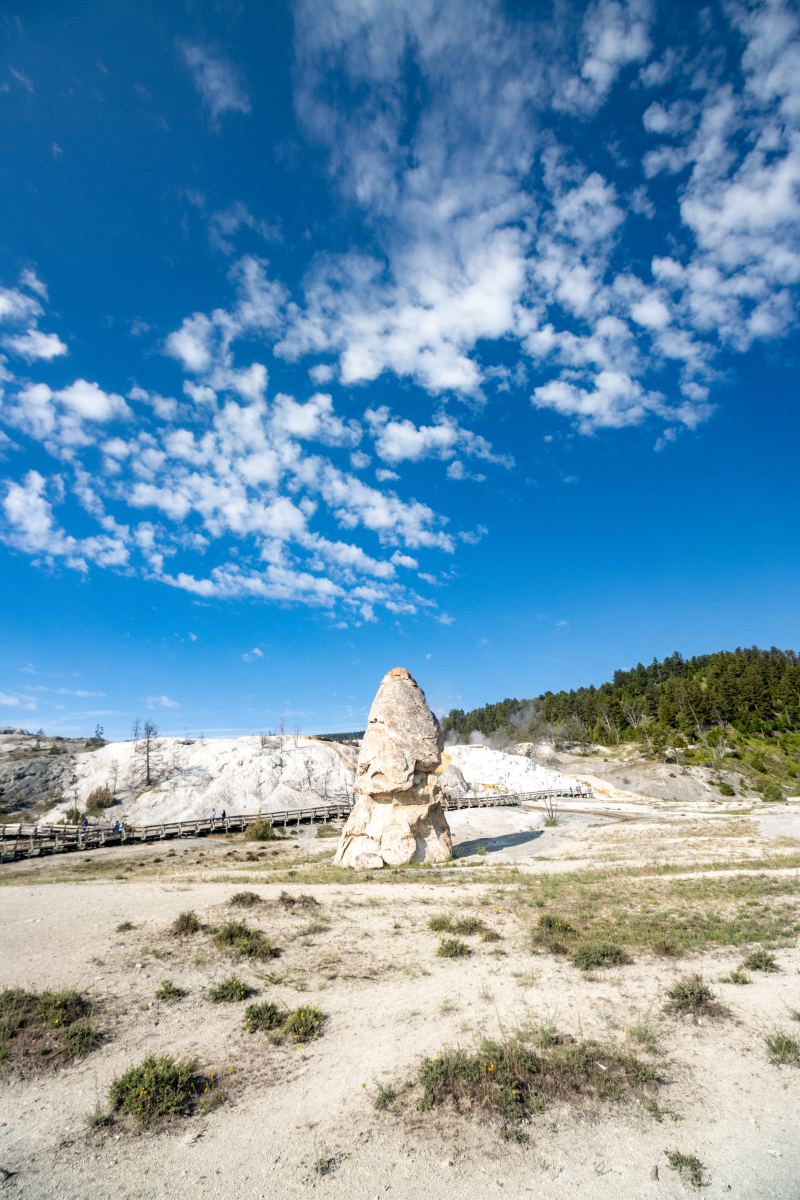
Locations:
column 398, row 816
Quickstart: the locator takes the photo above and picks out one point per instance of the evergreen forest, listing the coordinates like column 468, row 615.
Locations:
column 755, row 692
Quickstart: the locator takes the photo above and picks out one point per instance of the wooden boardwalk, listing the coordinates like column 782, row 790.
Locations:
column 28, row 841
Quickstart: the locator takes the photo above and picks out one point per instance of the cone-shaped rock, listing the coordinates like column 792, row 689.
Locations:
column 398, row 815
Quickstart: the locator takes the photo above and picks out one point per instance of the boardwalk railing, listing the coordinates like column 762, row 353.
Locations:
column 26, row 841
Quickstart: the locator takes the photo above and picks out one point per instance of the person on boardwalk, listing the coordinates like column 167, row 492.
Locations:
column 213, row 814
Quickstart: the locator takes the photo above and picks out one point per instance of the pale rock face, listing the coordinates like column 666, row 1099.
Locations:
column 398, row 817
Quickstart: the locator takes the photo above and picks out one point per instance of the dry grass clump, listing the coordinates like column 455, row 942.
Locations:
column 157, row 1088
column 186, row 924
column 515, row 1079
column 466, row 926
column 301, row 901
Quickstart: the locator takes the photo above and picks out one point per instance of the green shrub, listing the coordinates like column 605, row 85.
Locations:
column 452, row 948
column 250, row 943
column 158, row 1088
column 265, row 1017
column 72, row 816
column 125, row 926
column 491, row 935
column 736, row 977
column 689, row 995
column 260, row 831
column 441, row 924
column 303, row 1023
column 599, row 954
column 101, row 797
column 80, row 1037
column 229, row 989
column 245, row 899
column 726, row 789
column 761, row 960
column 771, row 792
column 469, row 925
column 186, row 924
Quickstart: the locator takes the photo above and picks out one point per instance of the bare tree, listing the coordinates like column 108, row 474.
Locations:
column 605, row 717
column 150, row 735
column 280, row 735
column 295, row 734
column 135, row 729
column 634, row 712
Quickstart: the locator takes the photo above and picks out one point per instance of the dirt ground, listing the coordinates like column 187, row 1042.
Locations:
column 365, row 956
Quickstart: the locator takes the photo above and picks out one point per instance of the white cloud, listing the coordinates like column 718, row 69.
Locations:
column 399, row 441
column 34, row 345
column 217, row 81
column 383, row 475
column 11, row 701
column 253, row 655
column 162, row 702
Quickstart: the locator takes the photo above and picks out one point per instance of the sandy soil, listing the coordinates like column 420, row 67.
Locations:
column 372, row 968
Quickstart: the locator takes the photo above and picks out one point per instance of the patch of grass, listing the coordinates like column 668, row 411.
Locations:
column 554, row 933
column 186, row 924
column 328, row 831
column 452, row 948
column 782, row 1047
column 96, row 1118
column 761, row 960
column 168, row 991
column 441, row 924
column 692, row 995
column 491, row 935
column 304, row 1023
column 245, row 899
column 125, row 926
column 57, row 1009
column 689, row 1167
column 384, row 1097
column 264, row 1017
column 514, row 1079
column 157, row 1088
column 229, row 990
column 79, row 1038
column 514, row 1135
column 599, row 954
column 735, row 977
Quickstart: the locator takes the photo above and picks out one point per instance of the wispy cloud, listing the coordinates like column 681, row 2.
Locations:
column 217, row 80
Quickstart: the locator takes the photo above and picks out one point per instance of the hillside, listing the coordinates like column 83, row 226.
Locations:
column 733, row 711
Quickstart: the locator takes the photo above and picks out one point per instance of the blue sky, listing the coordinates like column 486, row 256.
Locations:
column 456, row 336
